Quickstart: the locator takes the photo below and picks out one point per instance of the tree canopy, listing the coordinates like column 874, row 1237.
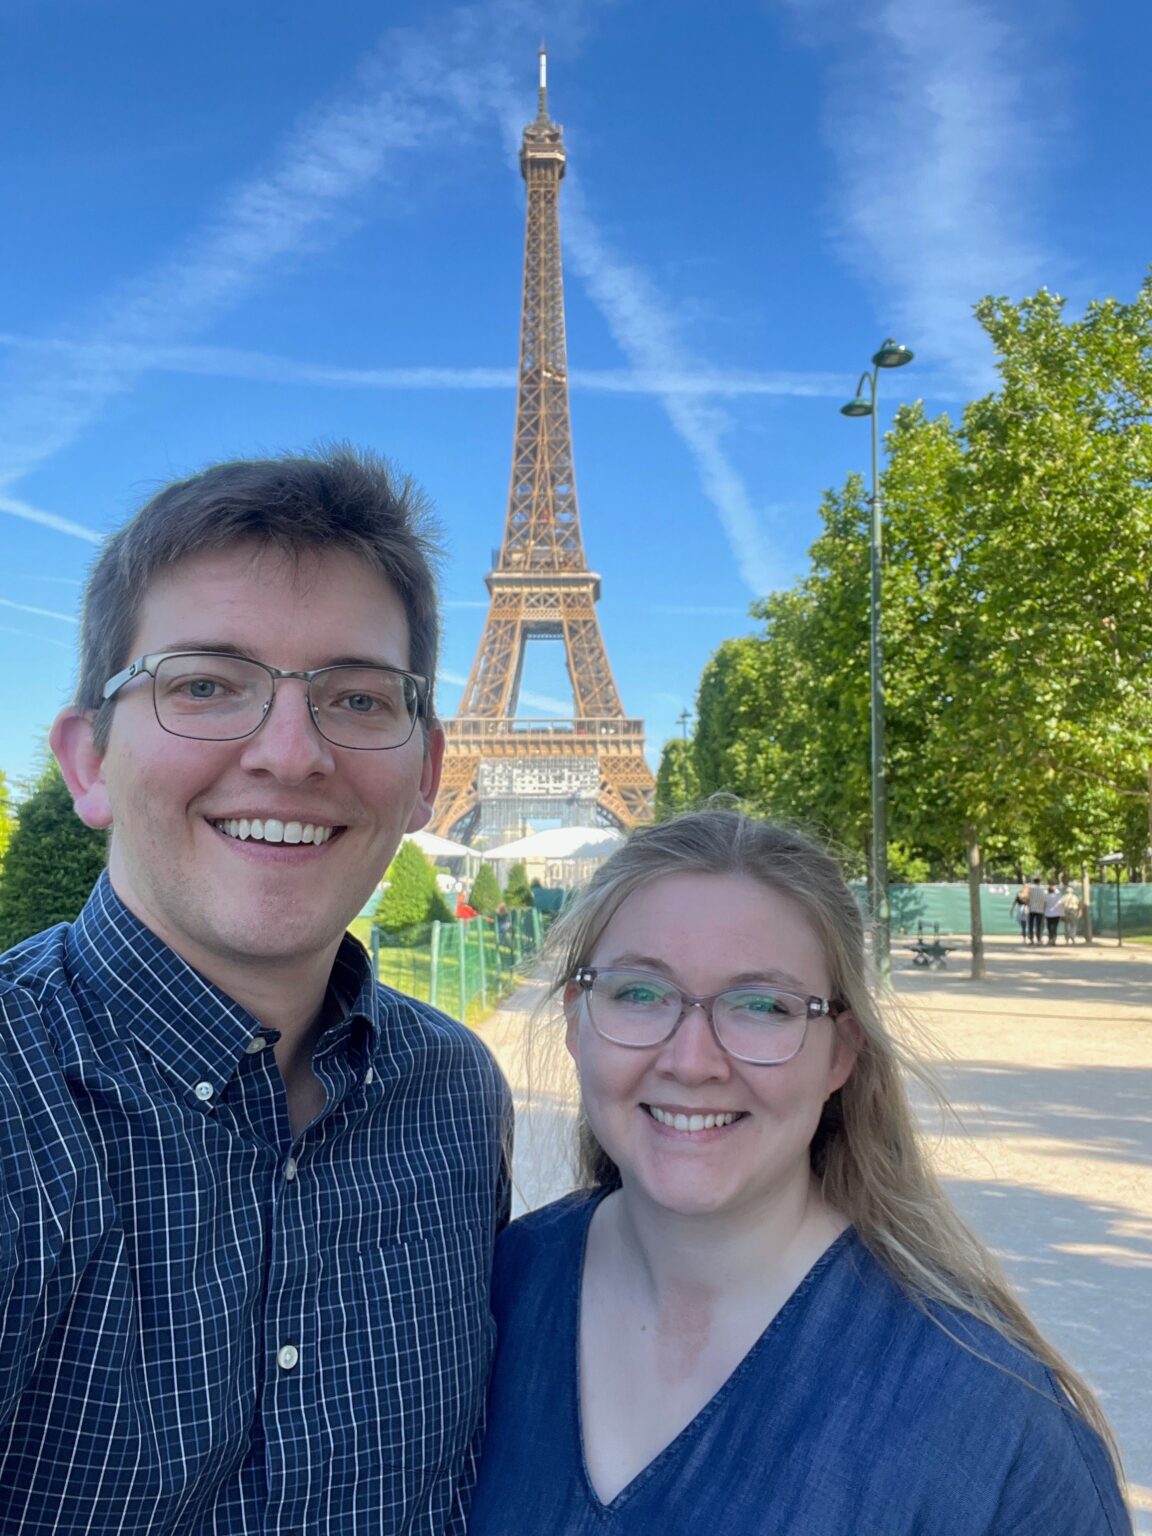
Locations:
column 52, row 862
column 5, row 817
column 411, row 896
column 1017, row 610
column 485, row 894
column 517, row 892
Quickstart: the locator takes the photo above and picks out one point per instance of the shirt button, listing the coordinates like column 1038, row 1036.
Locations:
column 287, row 1356
column 256, row 1045
column 203, row 1091
column 369, row 1078
column 290, row 1169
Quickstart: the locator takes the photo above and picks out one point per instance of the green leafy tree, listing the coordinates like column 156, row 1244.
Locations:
column 1017, row 592
column 5, row 817
column 53, row 861
column 677, row 787
column 517, row 892
column 782, row 716
column 411, row 892
column 485, row 894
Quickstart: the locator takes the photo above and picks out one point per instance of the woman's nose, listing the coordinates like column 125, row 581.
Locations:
column 694, row 1054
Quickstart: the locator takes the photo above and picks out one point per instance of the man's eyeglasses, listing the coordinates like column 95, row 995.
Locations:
column 214, row 696
column 761, row 1025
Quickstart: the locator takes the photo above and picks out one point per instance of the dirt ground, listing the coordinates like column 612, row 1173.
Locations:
column 1048, row 1063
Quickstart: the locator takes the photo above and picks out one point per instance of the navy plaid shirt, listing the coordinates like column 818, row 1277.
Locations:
column 205, row 1324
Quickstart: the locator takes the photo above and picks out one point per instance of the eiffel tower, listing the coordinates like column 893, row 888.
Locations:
column 502, row 771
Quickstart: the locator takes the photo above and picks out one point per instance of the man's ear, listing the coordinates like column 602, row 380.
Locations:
column 430, row 772
column 82, row 765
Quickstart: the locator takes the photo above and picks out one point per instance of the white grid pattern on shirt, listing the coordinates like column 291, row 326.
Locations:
column 153, row 1257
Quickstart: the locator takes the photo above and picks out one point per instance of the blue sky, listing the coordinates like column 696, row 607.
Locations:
column 233, row 228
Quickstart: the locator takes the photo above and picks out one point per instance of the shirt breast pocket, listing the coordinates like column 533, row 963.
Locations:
column 430, row 1338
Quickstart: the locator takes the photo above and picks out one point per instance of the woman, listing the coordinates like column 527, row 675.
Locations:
column 760, row 1313
column 1071, row 914
column 1019, row 910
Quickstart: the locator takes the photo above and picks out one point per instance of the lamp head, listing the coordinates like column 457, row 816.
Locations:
column 892, row 355
column 857, row 407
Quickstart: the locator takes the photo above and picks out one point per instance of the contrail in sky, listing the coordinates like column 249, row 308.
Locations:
column 228, row 362
column 416, row 84
column 30, row 514
column 413, row 88
column 42, row 613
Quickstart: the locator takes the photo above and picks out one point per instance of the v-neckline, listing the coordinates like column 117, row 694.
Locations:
column 706, row 1410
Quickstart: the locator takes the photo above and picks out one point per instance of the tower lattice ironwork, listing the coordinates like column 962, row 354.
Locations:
column 502, row 770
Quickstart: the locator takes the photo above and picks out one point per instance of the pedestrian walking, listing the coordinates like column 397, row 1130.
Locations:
column 1036, row 897
column 1071, row 915
column 1053, row 912
column 1019, row 911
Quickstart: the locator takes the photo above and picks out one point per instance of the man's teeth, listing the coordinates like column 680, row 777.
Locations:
column 691, row 1122
column 272, row 831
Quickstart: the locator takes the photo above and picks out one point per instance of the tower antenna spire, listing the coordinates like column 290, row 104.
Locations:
column 542, row 110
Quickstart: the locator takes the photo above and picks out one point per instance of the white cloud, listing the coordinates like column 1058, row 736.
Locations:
column 942, row 117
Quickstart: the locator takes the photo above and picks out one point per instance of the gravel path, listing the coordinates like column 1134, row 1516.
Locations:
column 1049, row 1065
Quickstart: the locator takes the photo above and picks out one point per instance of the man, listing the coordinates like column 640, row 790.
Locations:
column 249, row 1196
column 1036, row 899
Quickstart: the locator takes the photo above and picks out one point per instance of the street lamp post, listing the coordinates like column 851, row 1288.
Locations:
column 890, row 355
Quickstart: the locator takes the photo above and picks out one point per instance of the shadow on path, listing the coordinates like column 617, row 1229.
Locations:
column 1084, row 1271
column 1099, row 1112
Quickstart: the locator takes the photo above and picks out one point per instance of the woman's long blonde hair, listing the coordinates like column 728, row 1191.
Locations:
column 868, row 1151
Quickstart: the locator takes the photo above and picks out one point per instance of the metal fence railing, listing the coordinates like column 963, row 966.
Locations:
column 465, row 967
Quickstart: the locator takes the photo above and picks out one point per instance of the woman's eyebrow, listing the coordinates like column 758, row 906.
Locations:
column 771, row 977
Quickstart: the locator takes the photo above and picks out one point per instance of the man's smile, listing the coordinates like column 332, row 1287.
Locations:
column 271, row 829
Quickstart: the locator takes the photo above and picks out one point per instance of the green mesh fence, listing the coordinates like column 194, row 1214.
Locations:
column 465, row 968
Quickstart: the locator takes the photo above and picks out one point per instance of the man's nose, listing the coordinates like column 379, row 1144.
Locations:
column 288, row 744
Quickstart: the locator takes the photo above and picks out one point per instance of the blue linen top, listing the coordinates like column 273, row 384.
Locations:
column 208, row 1325
column 854, row 1414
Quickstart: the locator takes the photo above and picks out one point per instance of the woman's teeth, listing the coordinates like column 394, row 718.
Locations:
column 691, row 1122
column 273, row 831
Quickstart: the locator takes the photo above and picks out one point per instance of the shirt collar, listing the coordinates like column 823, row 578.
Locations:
column 192, row 1028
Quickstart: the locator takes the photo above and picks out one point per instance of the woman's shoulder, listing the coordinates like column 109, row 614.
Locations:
column 935, row 1334
column 551, row 1238
column 549, row 1225
column 957, row 1395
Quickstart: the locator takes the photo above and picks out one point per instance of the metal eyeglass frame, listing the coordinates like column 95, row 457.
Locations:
column 148, row 665
column 816, row 1008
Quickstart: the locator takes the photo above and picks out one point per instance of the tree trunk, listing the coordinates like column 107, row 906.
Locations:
column 1086, row 904
column 975, row 876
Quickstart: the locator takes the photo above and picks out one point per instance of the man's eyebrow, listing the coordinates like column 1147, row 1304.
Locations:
column 226, row 648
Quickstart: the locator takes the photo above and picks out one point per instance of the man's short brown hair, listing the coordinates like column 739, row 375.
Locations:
column 342, row 499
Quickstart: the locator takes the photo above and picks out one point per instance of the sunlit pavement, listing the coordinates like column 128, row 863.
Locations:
column 1048, row 1063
